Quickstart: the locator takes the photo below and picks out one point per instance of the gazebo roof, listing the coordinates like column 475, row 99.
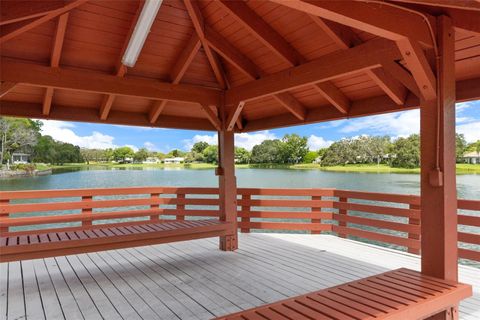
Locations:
column 271, row 63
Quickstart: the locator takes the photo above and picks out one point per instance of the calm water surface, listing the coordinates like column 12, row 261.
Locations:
column 468, row 186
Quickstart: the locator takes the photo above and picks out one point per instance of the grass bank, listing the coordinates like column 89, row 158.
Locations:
column 372, row 168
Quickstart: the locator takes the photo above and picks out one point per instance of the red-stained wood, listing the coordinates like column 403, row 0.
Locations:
column 392, row 87
column 397, row 294
column 438, row 191
column 326, row 68
column 57, row 46
column 291, row 104
column 6, row 87
column 227, row 182
column 334, row 96
column 78, row 80
column 359, row 15
column 15, row 11
column 418, row 65
column 53, row 14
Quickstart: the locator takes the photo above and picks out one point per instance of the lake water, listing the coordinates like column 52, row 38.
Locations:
column 468, row 186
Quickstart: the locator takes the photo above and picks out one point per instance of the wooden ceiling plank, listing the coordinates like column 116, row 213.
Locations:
column 79, row 80
column 363, row 57
column 69, row 113
column 291, row 104
column 229, row 53
column 6, row 87
column 198, row 24
column 392, row 87
column 156, row 110
column 120, row 68
column 56, row 53
column 233, row 117
column 261, row 30
column 334, row 96
column 464, row 4
column 402, row 75
column 376, row 18
column 58, row 12
column 16, row 11
column 418, row 65
column 342, row 35
column 185, row 58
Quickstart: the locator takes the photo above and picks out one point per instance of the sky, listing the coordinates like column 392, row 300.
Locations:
column 320, row 135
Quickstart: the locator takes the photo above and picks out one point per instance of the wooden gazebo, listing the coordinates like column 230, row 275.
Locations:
column 240, row 66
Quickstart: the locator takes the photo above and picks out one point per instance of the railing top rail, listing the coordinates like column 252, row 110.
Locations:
column 286, row 191
column 377, row 196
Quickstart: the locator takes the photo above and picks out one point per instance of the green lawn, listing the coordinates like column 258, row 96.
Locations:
column 382, row 168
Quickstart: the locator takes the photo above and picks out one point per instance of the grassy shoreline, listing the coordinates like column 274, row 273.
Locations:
column 366, row 168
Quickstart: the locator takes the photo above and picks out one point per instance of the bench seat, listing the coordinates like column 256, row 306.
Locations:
column 399, row 294
column 97, row 238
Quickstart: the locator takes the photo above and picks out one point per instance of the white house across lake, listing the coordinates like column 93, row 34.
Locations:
column 472, row 157
column 176, row 160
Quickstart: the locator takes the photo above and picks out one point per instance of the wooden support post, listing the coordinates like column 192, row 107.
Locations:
column 155, row 217
column 316, row 209
column 438, row 181
column 180, row 196
column 87, row 209
column 4, row 215
column 246, row 210
column 227, row 183
column 344, row 212
column 415, row 222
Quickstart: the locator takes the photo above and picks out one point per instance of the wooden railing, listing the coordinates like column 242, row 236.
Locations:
column 390, row 219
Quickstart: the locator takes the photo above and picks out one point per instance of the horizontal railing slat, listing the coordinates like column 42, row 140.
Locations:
column 403, row 227
column 285, row 226
column 390, row 211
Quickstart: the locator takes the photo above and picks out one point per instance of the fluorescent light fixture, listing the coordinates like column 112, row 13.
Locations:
column 140, row 33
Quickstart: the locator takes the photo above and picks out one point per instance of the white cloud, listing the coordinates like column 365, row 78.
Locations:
column 131, row 146
column 332, row 124
column 62, row 131
column 470, row 130
column 244, row 140
column 395, row 124
column 150, row 146
column 316, row 143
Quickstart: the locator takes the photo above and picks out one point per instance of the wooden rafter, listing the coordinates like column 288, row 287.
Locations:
column 58, row 40
column 262, row 31
column 53, row 14
column 401, row 74
column 363, row 57
column 464, row 4
column 334, row 96
column 198, row 23
column 377, row 18
column 291, row 104
column 69, row 113
column 6, row 87
column 178, row 70
column 345, row 38
column 15, row 11
column 120, row 69
column 38, row 75
column 418, row 65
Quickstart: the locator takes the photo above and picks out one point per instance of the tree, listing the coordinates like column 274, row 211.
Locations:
column 120, row 154
column 269, row 151
column 406, row 152
column 310, row 157
column 460, row 146
column 17, row 135
column 242, row 155
column 293, row 148
column 199, row 146
column 141, row 155
column 210, row 154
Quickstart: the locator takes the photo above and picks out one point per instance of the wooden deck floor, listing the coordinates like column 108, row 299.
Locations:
column 194, row 280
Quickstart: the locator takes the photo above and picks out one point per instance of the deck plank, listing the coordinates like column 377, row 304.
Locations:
column 195, row 280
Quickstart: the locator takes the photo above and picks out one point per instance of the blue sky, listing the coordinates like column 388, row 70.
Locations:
column 319, row 135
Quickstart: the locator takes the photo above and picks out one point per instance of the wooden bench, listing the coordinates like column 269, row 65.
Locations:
column 399, row 294
column 97, row 238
